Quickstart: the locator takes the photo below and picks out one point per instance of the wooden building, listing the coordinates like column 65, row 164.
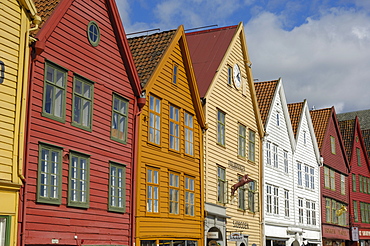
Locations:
column 170, row 208
column 16, row 18
column 334, row 178
column 84, row 100
column 232, row 142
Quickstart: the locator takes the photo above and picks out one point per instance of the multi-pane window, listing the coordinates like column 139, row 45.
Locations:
column 220, row 127
column 312, row 178
column 175, row 73
column 327, row 177
column 242, row 140
column 119, row 119
column 269, row 198
column 306, row 176
column 189, row 134
column 82, row 103
column 221, row 185
column 365, row 212
column 276, row 200
column 275, row 155
column 54, row 92
column 360, row 182
column 78, row 189
column 342, row 184
column 252, row 146
column 286, row 162
column 355, row 211
column 332, row 179
column 154, row 120
column 310, row 212
column 117, row 188
column 174, row 128
column 174, row 189
column 152, row 190
column 313, row 213
column 335, row 212
column 332, row 144
column 251, row 195
column 286, row 203
column 241, row 196
column 189, row 196
column 299, row 173
column 229, row 75
column 49, row 174
column 358, row 154
column 328, row 210
column 5, row 225
column 334, row 217
column 268, row 153
column 300, row 210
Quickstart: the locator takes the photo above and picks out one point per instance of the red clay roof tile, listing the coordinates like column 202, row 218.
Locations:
column 320, row 119
column 265, row 92
column 295, row 111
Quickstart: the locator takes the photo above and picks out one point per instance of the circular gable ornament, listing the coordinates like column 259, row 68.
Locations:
column 93, row 33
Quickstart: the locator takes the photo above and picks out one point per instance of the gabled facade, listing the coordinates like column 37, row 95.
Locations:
column 83, row 103
column 334, row 178
column 359, row 187
column 306, row 162
column 170, row 203
column 278, row 171
column 16, row 18
column 232, row 142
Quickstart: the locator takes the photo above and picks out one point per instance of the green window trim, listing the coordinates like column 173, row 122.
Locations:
column 332, row 145
column 54, row 96
column 5, row 223
column 82, row 106
column 354, row 185
column 93, row 33
column 79, row 180
column 242, row 140
column 221, row 122
column 252, row 146
column 49, row 170
column 119, row 124
column 117, row 188
column 358, row 154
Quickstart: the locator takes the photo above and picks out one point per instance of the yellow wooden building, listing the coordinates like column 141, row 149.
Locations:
column 170, row 208
column 16, row 17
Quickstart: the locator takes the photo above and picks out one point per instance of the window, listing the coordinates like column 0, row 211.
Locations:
column 93, row 33
column 334, row 212
column 278, row 119
column 252, row 146
column 308, row 213
column 241, row 196
column 268, row 153
column 242, row 141
column 332, row 179
column 313, row 213
column 174, row 128
column 365, row 212
column 117, row 188
column 229, row 75
column 312, row 178
column 304, row 137
column 354, row 182
column 174, row 193
column 189, row 134
column 154, row 120
column 276, row 200
column 268, row 198
column 78, row 188
column 5, row 227
column 221, row 185
column 174, row 73
column 300, row 210
column 189, row 196
column 286, row 203
column 220, row 128
column 360, row 182
column 286, row 163
column 355, row 211
column 342, row 184
column 275, row 155
column 328, row 210
column 152, row 189
column 119, row 119
column 54, row 92
column 358, row 153
column 334, row 217
column 49, row 174
column 306, row 177
column 299, row 173
column 251, row 195
column 82, row 103
column 332, row 144
column 326, row 177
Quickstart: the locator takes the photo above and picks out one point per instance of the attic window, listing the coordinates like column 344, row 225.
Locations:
column 93, row 33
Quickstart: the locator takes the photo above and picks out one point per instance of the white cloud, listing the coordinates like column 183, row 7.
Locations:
column 326, row 60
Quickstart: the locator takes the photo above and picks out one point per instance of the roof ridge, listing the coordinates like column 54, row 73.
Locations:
column 212, row 30
column 157, row 33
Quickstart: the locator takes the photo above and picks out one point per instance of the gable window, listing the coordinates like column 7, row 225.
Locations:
column 269, row 198
column 304, row 137
column 152, row 190
column 49, row 174
column 332, row 179
column 306, row 177
column 154, row 120
column 5, row 228
column 242, row 140
column 299, row 173
column 332, row 144
column 93, row 33
column 252, row 146
column 300, row 210
column 251, row 195
column 355, row 211
column 189, row 196
column 54, row 92
column 360, row 182
column 174, row 193
column 82, row 103
column 220, row 128
column 275, row 155
column 286, row 203
column 278, row 119
column 358, row 154
column 221, row 185
column 117, row 188
column 229, row 75
column 268, row 153
column 354, row 182
column 119, row 119
column 342, row 184
column 286, row 162
column 189, row 134
column 174, row 128
column 174, row 73
column 241, row 196
column 326, row 177
column 78, row 188
column 312, row 178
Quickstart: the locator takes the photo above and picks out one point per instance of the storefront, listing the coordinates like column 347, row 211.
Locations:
column 335, row 235
column 215, row 225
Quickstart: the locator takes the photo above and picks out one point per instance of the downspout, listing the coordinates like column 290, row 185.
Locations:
column 262, row 188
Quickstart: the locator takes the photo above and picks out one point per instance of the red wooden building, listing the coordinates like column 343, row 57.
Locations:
column 84, row 100
column 334, row 178
column 359, row 187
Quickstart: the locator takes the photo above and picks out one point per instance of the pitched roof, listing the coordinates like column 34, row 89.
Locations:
column 147, row 52
column 366, row 137
column 347, row 129
column 295, row 112
column 44, row 9
column 363, row 116
column 265, row 92
column 207, row 48
column 320, row 119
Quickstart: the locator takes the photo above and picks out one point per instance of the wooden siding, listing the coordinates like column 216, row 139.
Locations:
column 163, row 225
column 68, row 46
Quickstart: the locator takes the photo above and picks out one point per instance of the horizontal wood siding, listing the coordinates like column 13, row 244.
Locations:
column 68, row 47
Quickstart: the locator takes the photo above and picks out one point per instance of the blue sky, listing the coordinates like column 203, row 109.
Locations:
column 320, row 48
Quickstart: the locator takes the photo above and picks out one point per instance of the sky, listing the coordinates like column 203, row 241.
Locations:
column 320, row 48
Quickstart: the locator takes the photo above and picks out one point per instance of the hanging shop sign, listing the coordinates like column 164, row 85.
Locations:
column 235, row 236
